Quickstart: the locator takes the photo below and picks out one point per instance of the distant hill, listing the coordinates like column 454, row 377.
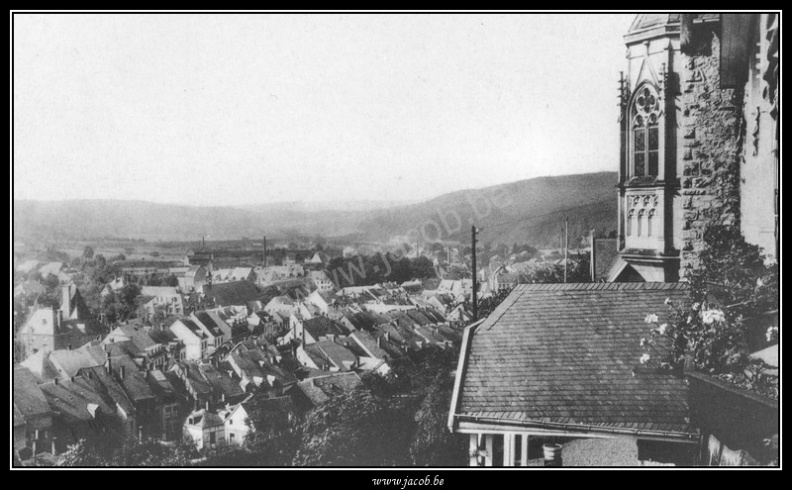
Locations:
column 528, row 211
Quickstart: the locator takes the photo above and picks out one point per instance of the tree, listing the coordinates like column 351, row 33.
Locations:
column 88, row 252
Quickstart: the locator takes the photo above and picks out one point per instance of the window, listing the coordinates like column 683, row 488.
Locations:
column 630, row 218
column 645, row 136
column 641, row 214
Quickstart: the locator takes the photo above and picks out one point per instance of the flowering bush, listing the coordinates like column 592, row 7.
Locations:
column 734, row 282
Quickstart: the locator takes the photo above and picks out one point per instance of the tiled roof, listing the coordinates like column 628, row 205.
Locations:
column 203, row 418
column 73, row 401
column 232, row 293
column 107, row 387
column 71, row 361
column 606, row 251
column 567, row 354
column 321, row 389
column 321, row 326
column 369, row 343
column 339, row 355
column 28, row 397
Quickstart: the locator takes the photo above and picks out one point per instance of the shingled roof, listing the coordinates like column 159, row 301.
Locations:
column 567, row 355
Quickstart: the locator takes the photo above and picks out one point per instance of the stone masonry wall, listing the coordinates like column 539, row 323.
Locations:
column 712, row 127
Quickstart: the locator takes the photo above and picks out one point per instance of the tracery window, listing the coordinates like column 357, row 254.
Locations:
column 645, row 136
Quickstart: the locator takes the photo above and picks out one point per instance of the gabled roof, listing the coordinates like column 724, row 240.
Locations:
column 235, row 293
column 159, row 291
column 203, row 419
column 567, row 355
column 71, row 361
column 337, row 354
column 369, row 344
column 606, row 251
column 28, row 397
column 320, row 389
column 321, row 326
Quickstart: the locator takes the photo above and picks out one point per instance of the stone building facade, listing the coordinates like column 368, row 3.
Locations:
column 698, row 138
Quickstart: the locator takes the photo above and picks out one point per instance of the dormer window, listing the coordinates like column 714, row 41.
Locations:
column 645, row 137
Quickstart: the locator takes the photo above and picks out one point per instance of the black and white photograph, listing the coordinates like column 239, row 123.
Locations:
column 414, row 243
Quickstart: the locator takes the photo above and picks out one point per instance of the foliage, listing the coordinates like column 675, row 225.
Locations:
column 135, row 454
column 398, row 419
column 88, row 252
column 733, row 283
column 367, row 270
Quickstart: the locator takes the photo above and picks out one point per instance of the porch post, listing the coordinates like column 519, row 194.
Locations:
column 473, row 450
column 524, row 450
column 490, row 451
column 508, row 449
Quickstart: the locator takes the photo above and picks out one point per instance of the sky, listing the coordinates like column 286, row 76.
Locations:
column 245, row 109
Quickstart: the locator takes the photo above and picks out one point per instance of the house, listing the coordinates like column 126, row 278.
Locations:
column 281, row 304
column 205, row 428
column 321, row 281
column 152, row 350
column 167, row 299
column 315, row 391
column 207, row 384
column 113, row 286
column 33, row 416
column 265, row 416
column 699, row 137
column 234, row 293
column 257, row 367
column 169, row 403
column 561, row 361
column 82, row 413
column 309, row 331
column 193, row 337
column 193, row 279
column 70, row 326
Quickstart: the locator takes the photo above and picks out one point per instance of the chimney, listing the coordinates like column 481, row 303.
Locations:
column 55, row 381
column 379, row 342
column 68, row 347
column 122, row 371
column 54, row 450
column 222, row 397
column 108, row 366
column 58, row 319
column 207, row 405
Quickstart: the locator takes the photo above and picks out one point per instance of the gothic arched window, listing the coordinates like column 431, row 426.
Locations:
column 649, row 220
column 641, row 214
column 630, row 218
column 645, row 136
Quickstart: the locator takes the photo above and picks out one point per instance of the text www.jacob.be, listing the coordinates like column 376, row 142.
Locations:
column 408, row 482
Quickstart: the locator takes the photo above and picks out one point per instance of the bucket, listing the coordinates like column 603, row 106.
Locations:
column 552, row 454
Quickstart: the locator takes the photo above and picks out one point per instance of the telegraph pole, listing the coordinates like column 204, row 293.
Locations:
column 475, row 272
column 566, row 245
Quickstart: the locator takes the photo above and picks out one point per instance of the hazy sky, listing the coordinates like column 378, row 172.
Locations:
column 233, row 109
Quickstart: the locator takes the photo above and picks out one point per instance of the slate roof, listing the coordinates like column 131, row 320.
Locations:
column 321, row 326
column 321, row 389
column 232, row 293
column 567, row 354
column 369, row 343
column 28, row 397
column 606, row 251
column 339, row 355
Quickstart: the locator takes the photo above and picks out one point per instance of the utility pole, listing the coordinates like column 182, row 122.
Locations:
column 475, row 272
column 566, row 245
column 592, row 259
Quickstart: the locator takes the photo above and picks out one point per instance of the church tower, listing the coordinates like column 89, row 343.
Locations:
column 649, row 171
